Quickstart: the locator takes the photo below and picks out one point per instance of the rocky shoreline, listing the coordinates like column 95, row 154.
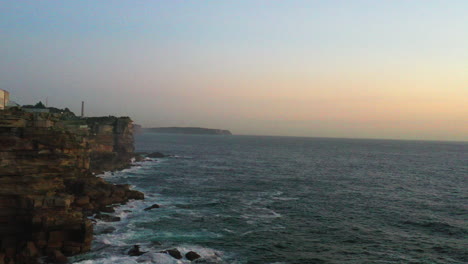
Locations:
column 48, row 186
column 142, row 251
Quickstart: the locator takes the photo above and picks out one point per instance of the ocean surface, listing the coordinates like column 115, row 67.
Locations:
column 251, row 199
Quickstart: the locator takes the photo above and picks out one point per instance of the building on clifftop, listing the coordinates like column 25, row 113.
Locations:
column 4, row 99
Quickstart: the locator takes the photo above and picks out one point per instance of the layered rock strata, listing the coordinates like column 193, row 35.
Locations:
column 111, row 142
column 47, row 187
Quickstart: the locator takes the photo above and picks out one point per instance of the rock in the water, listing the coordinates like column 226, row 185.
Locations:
column 152, row 207
column 136, row 195
column 156, row 155
column 175, row 253
column 156, row 243
column 107, row 209
column 135, row 251
column 107, row 218
column 106, row 230
column 192, row 256
column 139, row 157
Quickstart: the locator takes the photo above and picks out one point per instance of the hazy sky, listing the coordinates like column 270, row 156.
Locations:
column 367, row 69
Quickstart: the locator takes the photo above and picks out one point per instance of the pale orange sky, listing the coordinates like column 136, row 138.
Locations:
column 392, row 69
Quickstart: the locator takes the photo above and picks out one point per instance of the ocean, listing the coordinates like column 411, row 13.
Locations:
column 258, row 199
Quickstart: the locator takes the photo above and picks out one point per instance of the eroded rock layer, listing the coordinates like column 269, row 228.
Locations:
column 47, row 187
column 111, row 142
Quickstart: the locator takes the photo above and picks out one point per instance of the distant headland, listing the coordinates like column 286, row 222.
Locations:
column 187, row 130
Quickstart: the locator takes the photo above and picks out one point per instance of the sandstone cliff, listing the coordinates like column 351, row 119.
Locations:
column 47, row 187
column 111, row 142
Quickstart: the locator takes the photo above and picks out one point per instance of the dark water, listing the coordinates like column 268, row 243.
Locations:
column 246, row 199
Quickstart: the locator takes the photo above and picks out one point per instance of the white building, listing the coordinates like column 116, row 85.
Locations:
column 4, row 99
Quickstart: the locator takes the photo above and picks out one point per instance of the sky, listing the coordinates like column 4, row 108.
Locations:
column 355, row 69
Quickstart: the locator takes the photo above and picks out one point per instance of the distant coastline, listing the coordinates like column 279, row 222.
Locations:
column 187, row 130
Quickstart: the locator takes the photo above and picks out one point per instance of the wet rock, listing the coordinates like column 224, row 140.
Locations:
column 152, row 207
column 107, row 209
column 135, row 195
column 58, row 257
column 192, row 256
column 106, row 230
column 156, row 155
column 175, row 253
column 139, row 157
column 107, row 218
column 135, row 251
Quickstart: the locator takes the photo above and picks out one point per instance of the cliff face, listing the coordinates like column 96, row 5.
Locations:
column 46, row 185
column 111, row 143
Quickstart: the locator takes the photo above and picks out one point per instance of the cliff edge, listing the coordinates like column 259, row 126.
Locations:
column 47, row 184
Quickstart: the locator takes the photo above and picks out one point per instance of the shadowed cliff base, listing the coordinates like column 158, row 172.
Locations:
column 47, row 182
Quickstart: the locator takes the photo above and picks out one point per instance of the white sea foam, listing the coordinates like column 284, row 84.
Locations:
column 122, row 173
column 157, row 258
column 181, row 157
column 246, row 233
column 105, row 175
column 209, row 255
column 229, row 230
column 260, row 214
column 110, row 260
column 285, row 198
column 113, row 247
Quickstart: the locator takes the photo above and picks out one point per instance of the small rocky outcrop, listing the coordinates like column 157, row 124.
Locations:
column 135, row 251
column 139, row 157
column 97, row 195
column 192, row 256
column 111, row 143
column 107, row 218
column 156, row 155
column 175, row 253
column 152, row 207
column 107, row 230
column 107, row 209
